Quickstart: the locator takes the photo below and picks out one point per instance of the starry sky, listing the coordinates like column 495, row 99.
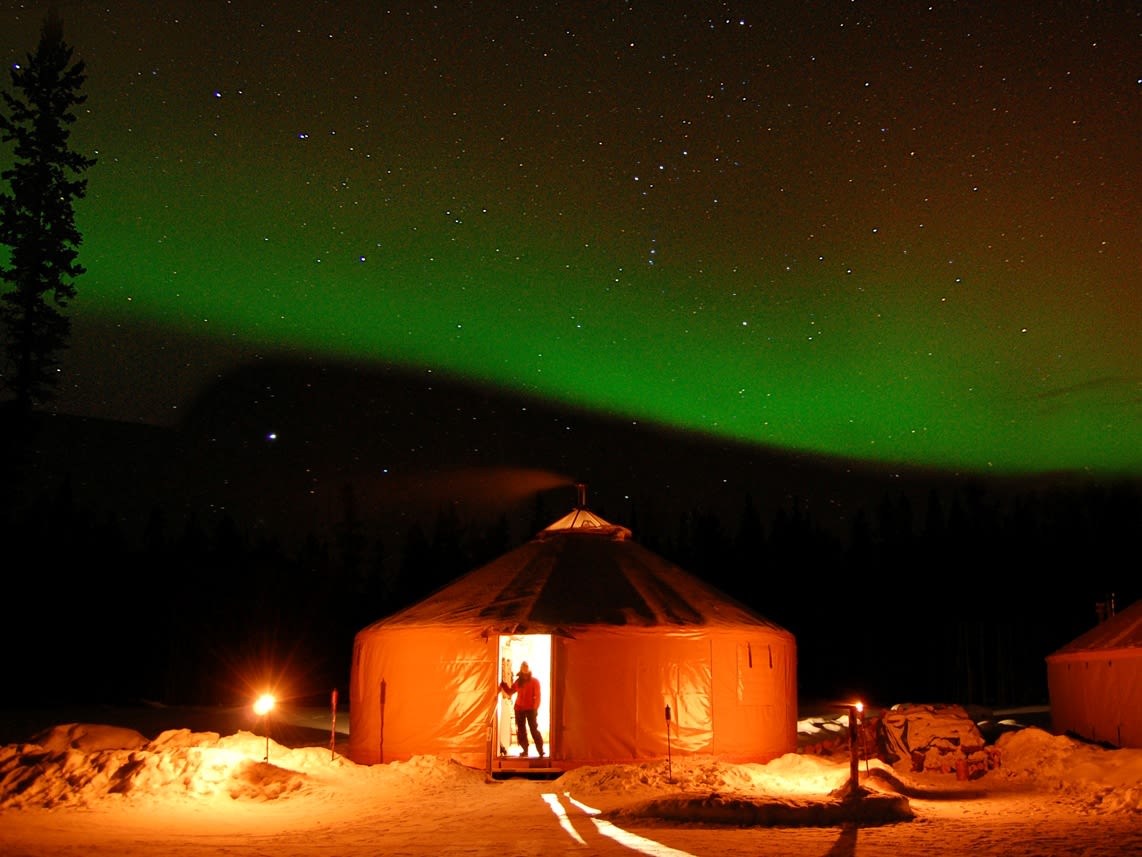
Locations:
column 887, row 231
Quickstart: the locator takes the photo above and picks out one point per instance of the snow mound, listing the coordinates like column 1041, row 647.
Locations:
column 78, row 764
column 792, row 773
column 1101, row 780
column 88, row 738
column 793, row 790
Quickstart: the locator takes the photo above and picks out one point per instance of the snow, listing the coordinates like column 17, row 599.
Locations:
column 98, row 790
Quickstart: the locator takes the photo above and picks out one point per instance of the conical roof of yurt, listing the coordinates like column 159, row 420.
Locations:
column 579, row 571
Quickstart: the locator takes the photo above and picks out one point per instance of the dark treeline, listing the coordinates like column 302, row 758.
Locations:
column 956, row 597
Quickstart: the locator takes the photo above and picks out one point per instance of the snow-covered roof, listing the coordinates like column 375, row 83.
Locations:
column 1121, row 631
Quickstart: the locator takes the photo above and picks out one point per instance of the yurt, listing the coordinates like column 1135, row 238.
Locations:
column 636, row 659
column 1095, row 681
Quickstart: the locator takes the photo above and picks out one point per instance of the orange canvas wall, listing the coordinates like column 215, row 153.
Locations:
column 731, row 692
column 440, row 687
column 1098, row 695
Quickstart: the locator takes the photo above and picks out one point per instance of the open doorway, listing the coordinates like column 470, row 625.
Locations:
column 514, row 650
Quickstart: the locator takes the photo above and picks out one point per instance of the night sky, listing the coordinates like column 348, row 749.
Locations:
column 901, row 232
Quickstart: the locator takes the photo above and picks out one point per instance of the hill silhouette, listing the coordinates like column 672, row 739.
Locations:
column 278, row 444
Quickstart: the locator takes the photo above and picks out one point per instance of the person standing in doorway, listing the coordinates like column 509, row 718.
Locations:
column 526, row 691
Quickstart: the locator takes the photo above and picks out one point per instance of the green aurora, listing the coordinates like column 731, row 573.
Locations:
column 766, row 241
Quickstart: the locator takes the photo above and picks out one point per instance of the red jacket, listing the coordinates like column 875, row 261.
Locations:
column 526, row 693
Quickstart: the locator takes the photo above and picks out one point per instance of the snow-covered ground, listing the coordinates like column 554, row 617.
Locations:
column 103, row 789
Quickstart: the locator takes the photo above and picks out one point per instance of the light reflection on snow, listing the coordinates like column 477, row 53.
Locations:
column 637, row 843
column 629, row 840
column 564, row 821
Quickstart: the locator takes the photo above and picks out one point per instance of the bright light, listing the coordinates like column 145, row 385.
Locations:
column 264, row 704
column 859, row 706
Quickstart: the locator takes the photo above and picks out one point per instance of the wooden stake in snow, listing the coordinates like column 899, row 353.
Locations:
column 333, row 727
column 381, row 746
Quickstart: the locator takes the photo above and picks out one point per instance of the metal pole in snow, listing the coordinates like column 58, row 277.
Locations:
column 854, row 709
column 854, row 750
column 333, row 727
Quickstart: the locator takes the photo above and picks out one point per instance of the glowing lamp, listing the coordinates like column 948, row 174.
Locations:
column 262, row 707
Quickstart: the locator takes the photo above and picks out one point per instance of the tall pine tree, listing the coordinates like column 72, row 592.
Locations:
column 37, row 216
